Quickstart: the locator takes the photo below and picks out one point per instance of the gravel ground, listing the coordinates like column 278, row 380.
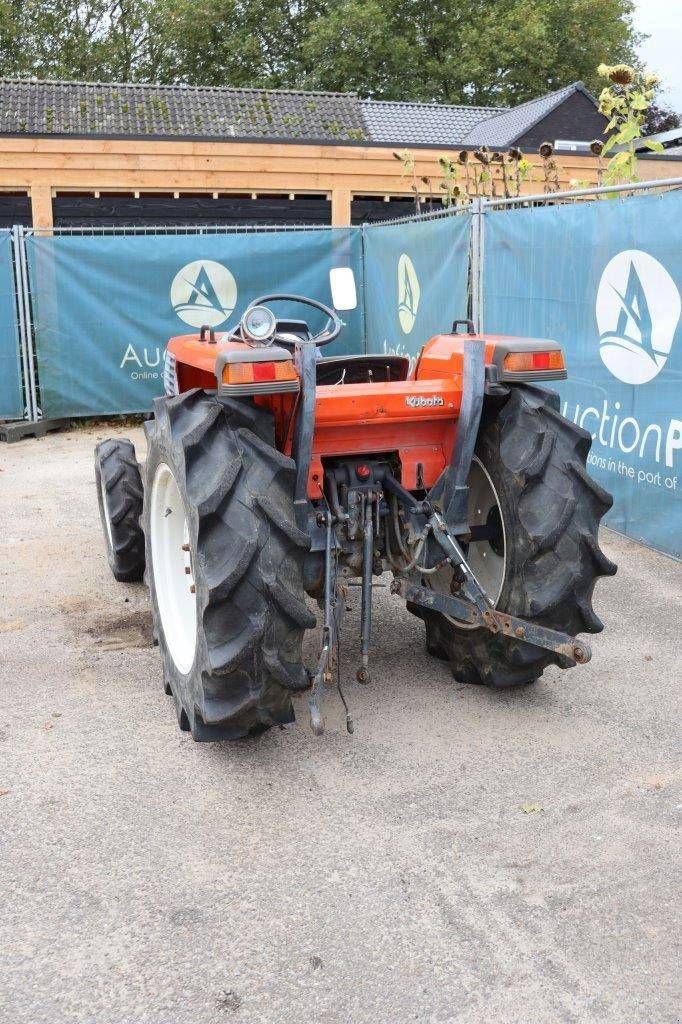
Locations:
column 465, row 856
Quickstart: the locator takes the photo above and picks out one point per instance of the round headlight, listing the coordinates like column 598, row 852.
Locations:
column 258, row 325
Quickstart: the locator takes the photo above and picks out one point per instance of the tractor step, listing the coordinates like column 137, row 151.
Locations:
column 574, row 651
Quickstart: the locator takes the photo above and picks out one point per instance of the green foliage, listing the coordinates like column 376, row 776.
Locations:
column 406, row 158
column 461, row 51
column 452, row 193
column 92, row 40
column 625, row 101
column 480, row 173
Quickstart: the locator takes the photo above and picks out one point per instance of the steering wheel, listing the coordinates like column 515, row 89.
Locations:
column 329, row 332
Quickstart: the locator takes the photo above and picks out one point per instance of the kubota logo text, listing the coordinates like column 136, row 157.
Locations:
column 423, row 401
column 408, row 293
column 204, row 292
column 638, row 309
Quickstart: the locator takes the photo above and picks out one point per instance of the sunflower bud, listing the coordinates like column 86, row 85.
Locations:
column 596, row 147
column 546, row 150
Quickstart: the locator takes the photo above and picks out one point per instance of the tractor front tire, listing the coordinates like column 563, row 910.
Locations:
column 119, row 492
column 550, row 510
column 224, row 565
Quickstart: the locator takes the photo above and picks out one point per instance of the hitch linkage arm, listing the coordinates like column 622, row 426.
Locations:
column 327, row 658
column 573, row 650
column 478, row 608
column 323, row 669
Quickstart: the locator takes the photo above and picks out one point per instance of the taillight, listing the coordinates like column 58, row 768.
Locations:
column 281, row 372
column 530, row 362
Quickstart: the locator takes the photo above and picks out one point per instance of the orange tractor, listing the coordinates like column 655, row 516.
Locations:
column 274, row 475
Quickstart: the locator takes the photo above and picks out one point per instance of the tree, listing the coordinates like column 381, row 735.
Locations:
column 98, row 40
column 458, row 51
column 228, row 42
column 661, row 119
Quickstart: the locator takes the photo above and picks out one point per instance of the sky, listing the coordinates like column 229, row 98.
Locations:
column 662, row 52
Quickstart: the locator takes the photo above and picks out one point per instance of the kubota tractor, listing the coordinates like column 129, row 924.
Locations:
column 274, row 474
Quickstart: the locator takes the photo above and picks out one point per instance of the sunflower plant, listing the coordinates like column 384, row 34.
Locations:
column 625, row 101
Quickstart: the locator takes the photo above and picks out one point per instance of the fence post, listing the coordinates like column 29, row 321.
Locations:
column 23, row 333
column 477, row 237
column 24, row 303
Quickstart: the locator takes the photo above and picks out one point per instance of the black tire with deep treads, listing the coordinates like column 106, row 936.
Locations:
column 119, row 484
column 247, row 557
column 551, row 509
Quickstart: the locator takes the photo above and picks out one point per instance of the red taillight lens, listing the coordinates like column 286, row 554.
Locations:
column 263, row 371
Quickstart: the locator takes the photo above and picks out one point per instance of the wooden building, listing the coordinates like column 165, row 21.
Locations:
column 90, row 154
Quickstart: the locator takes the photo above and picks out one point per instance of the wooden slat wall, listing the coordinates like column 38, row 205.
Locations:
column 45, row 165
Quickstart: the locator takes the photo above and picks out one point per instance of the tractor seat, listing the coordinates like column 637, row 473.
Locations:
column 372, row 369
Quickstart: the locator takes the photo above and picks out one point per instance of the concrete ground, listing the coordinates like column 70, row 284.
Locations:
column 465, row 856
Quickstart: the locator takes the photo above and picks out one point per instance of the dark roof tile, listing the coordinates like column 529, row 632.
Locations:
column 91, row 108
column 430, row 124
column 505, row 128
column 85, row 108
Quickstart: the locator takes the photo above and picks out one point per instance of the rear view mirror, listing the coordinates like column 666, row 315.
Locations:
column 342, row 283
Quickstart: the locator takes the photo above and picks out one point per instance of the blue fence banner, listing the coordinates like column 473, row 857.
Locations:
column 416, row 277
column 105, row 306
column 11, row 395
column 604, row 279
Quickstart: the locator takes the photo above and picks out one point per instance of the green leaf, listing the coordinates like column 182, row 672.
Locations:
column 620, row 159
column 654, row 145
column 609, row 144
column 628, row 132
column 530, row 808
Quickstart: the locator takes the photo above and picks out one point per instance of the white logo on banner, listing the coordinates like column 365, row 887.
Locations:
column 203, row 292
column 408, row 293
column 638, row 309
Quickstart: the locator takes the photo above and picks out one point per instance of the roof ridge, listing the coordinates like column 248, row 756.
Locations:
column 549, row 95
column 175, row 85
column 432, row 104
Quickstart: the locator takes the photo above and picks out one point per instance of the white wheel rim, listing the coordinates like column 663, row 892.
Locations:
column 487, row 562
column 105, row 510
column 172, row 569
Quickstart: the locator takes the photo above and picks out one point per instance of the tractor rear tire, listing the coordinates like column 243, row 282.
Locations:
column 119, row 492
column 224, row 565
column 550, row 510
